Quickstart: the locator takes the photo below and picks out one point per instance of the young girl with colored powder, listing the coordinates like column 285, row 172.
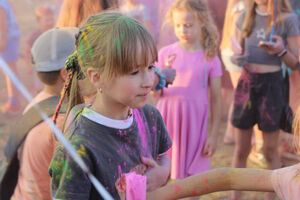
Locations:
column 267, row 32
column 285, row 181
column 118, row 131
column 184, row 105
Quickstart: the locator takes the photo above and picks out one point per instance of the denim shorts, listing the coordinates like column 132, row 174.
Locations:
column 11, row 51
column 259, row 99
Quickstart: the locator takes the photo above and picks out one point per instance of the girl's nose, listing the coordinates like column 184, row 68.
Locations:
column 148, row 79
column 183, row 30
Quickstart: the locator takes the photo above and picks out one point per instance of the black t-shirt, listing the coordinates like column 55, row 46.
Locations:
column 107, row 152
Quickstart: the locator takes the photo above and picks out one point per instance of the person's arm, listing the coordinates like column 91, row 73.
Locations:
column 291, row 57
column 288, row 55
column 215, row 110
column 237, row 45
column 158, row 172
column 2, row 29
column 221, row 179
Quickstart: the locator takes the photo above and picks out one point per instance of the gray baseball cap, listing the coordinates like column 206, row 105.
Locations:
column 51, row 49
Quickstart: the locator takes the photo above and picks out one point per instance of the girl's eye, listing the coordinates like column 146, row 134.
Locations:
column 188, row 25
column 151, row 67
column 135, row 72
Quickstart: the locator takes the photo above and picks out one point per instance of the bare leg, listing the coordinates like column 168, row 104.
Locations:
column 230, row 130
column 241, row 152
column 229, row 134
column 270, row 150
column 12, row 93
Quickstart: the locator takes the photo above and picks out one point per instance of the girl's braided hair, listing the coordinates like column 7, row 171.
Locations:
column 73, row 70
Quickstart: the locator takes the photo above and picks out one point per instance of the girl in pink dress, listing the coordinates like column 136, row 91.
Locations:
column 184, row 105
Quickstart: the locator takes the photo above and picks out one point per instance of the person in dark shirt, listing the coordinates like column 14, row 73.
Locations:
column 118, row 131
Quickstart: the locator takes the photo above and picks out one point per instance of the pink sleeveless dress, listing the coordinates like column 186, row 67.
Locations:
column 184, row 106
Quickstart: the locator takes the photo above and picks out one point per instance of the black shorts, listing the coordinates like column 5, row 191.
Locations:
column 259, row 99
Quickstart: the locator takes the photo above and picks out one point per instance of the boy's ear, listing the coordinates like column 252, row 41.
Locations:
column 94, row 76
column 63, row 74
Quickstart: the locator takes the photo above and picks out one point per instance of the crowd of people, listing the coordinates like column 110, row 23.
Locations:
column 142, row 86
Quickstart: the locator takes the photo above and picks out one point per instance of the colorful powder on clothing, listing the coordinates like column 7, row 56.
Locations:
column 249, row 105
column 119, row 170
column 154, row 129
column 142, row 132
column 81, row 151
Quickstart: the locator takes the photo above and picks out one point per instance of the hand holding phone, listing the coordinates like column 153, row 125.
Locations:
column 272, row 47
column 266, row 44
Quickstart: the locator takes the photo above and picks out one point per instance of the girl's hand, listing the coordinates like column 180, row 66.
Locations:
column 273, row 47
column 239, row 59
column 121, row 187
column 170, row 74
column 156, row 175
column 210, row 147
column 139, row 169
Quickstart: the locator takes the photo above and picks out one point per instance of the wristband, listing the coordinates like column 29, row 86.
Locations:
column 282, row 53
column 162, row 79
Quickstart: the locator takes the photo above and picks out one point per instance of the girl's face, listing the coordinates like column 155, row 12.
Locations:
column 187, row 28
column 132, row 89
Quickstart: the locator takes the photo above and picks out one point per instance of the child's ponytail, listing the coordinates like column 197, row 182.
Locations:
column 71, row 89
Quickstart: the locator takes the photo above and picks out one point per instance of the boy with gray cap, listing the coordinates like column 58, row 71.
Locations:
column 33, row 144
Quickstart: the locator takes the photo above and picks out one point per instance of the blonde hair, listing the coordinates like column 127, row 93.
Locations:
column 228, row 23
column 283, row 6
column 296, row 129
column 108, row 42
column 209, row 36
column 74, row 12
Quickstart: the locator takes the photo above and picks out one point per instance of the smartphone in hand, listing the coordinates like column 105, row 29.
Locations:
column 266, row 44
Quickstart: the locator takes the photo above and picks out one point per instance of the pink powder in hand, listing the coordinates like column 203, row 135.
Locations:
column 135, row 186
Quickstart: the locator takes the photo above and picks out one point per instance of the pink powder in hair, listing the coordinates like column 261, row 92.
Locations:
column 135, row 186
